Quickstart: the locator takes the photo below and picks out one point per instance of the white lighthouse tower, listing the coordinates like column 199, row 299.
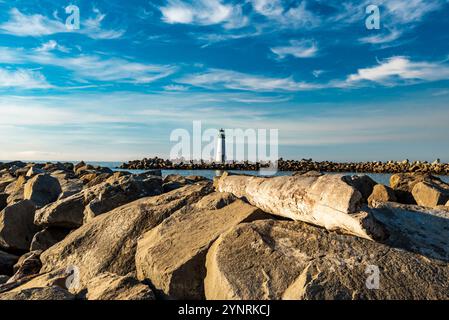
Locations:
column 221, row 147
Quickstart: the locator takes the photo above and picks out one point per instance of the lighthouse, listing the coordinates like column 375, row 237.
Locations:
column 221, row 147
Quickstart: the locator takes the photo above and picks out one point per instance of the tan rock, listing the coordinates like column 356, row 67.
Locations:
column 16, row 226
column 381, row 193
column 172, row 255
column 403, row 183
column 328, row 201
column 15, row 190
column 430, row 194
column 64, row 213
column 48, row 237
column 109, row 286
column 292, row 260
column 39, row 294
column 108, row 242
column 42, row 190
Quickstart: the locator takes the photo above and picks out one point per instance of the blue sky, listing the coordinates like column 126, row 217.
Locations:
column 136, row 70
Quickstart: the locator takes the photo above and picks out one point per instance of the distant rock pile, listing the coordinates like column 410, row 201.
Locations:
column 304, row 165
column 77, row 232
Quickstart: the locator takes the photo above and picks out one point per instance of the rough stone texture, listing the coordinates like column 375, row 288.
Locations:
column 42, row 190
column 381, row 193
column 403, row 183
column 119, row 191
column 172, row 255
column 15, row 190
column 64, row 213
column 116, row 191
column 292, row 260
column 416, row 229
column 48, row 237
column 7, row 262
column 109, row 286
column 43, row 293
column 98, row 179
column 16, row 226
column 430, row 194
column 327, row 201
column 175, row 181
column 108, row 242
column 5, row 179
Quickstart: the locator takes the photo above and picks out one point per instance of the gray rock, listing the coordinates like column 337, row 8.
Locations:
column 16, row 226
column 108, row 242
column 292, row 260
column 381, row 193
column 42, row 190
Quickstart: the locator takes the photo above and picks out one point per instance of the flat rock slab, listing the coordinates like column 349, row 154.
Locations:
column 329, row 201
column 292, row 260
column 108, row 242
column 172, row 255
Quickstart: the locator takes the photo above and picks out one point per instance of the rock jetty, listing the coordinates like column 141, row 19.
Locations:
column 79, row 232
column 303, row 165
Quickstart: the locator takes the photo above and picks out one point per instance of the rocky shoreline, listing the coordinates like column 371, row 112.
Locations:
column 80, row 232
column 304, row 165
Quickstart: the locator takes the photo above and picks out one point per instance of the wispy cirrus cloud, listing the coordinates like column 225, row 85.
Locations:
column 228, row 79
column 22, row 79
column 36, row 25
column 90, row 67
column 297, row 49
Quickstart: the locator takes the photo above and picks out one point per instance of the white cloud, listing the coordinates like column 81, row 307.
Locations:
column 228, row 79
column 91, row 67
column 52, row 45
column 36, row 25
column 297, row 49
column 287, row 16
column 400, row 70
column 203, row 12
column 382, row 38
column 175, row 87
column 408, row 11
column 22, row 79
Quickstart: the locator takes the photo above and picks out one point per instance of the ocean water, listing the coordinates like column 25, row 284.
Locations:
column 383, row 178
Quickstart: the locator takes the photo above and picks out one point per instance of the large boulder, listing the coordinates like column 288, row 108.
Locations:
column 7, row 262
column 172, row 255
column 16, row 190
column 363, row 184
column 109, row 286
column 17, row 226
column 403, row 184
column 48, row 237
column 33, row 171
column 42, row 189
column 292, row 260
column 5, row 180
column 431, row 194
column 381, row 193
column 43, row 293
column 73, row 211
column 328, row 201
column 108, row 242
column 28, row 265
column 64, row 213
